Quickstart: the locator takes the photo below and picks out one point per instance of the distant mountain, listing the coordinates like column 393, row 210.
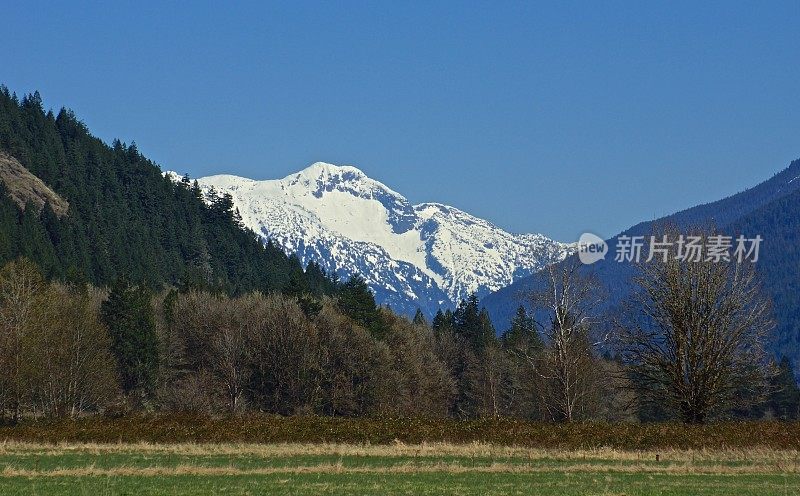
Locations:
column 423, row 256
column 779, row 264
column 771, row 209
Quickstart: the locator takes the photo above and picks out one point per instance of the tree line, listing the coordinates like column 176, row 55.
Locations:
column 72, row 349
column 68, row 350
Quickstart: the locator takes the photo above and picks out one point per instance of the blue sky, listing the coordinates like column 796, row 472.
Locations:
column 554, row 118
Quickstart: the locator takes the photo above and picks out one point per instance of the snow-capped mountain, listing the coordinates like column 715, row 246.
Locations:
column 413, row 256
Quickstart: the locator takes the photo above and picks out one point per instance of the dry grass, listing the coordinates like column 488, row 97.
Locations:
column 424, row 458
column 399, row 449
column 266, row 429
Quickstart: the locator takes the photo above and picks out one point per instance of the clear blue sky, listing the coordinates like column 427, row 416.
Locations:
column 552, row 118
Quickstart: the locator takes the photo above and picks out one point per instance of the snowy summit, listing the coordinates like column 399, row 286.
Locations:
column 413, row 256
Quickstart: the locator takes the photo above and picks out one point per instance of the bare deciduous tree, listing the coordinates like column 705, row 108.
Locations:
column 356, row 374
column 212, row 343
column 54, row 351
column 696, row 339
column 71, row 369
column 424, row 384
column 567, row 365
column 21, row 289
column 285, row 349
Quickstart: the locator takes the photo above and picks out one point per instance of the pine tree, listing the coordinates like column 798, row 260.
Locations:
column 419, row 318
column 522, row 334
column 9, row 226
column 486, row 332
column 356, row 300
column 125, row 216
column 298, row 286
column 129, row 317
column 785, row 398
column 473, row 323
column 34, row 242
column 318, row 282
column 442, row 321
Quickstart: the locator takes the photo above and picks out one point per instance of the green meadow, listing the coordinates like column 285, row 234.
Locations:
column 438, row 468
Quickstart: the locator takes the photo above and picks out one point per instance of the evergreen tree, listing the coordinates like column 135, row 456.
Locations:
column 439, row 322
column 318, row 281
column 9, row 227
column 129, row 317
column 486, row 332
column 356, row 300
column 473, row 323
column 443, row 321
column 34, row 242
column 298, row 287
column 419, row 318
column 785, row 398
column 522, row 334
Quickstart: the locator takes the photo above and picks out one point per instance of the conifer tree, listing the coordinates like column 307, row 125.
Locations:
column 473, row 323
column 442, row 321
column 785, row 398
column 522, row 333
column 419, row 318
column 125, row 216
column 34, row 243
column 356, row 300
column 129, row 317
column 9, row 227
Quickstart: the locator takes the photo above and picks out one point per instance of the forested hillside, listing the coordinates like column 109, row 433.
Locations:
column 125, row 218
column 770, row 209
column 779, row 264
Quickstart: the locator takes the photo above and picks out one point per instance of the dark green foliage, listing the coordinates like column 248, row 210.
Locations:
column 419, row 318
column 473, row 323
column 126, row 219
column 356, row 300
column 522, row 334
column 784, row 400
column 129, row 317
column 443, row 321
column 317, row 280
column 778, row 223
column 308, row 286
column 9, row 226
column 465, row 341
column 34, row 241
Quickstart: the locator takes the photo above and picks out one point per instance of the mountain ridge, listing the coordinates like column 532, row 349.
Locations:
column 731, row 214
column 427, row 255
column 105, row 211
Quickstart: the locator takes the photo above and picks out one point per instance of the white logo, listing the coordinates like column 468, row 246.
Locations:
column 591, row 248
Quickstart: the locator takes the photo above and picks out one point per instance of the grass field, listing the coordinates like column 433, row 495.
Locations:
column 177, row 469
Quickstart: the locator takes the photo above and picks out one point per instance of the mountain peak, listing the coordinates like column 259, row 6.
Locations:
column 327, row 171
column 423, row 256
column 323, row 177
